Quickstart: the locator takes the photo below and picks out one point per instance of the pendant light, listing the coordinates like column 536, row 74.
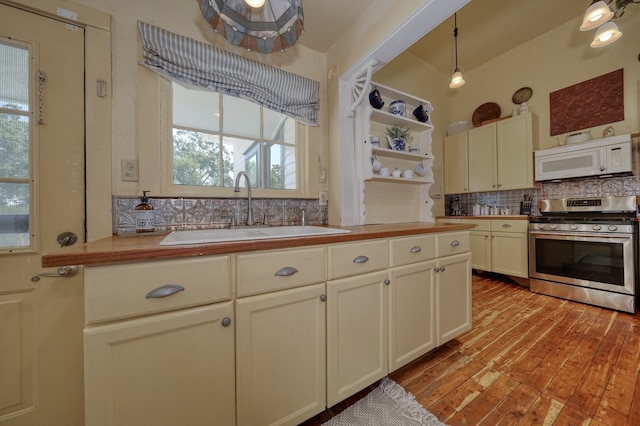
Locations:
column 255, row 3
column 599, row 15
column 456, row 79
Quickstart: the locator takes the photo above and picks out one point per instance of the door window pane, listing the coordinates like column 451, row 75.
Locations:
column 15, row 146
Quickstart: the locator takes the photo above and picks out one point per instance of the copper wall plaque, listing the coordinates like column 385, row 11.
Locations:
column 587, row 104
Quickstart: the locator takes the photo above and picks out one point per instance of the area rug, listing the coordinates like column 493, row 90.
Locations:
column 388, row 405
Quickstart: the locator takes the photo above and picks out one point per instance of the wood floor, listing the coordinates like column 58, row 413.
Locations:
column 529, row 359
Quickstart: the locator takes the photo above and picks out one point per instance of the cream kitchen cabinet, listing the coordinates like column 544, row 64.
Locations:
column 411, row 298
column 509, row 247
column 357, row 317
column 453, row 297
column 497, row 156
column 280, row 336
column 456, row 164
column 281, row 356
column 152, row 356
column 382, row 319
column 498, row 245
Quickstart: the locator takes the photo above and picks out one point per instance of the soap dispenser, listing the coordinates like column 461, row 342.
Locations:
column 144, row 214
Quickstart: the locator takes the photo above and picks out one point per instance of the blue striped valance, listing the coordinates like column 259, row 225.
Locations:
column 189, row 61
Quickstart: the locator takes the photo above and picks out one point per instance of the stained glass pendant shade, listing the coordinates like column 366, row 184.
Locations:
column 272, row 27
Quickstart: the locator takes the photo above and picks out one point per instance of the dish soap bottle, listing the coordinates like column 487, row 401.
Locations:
column 144, row 214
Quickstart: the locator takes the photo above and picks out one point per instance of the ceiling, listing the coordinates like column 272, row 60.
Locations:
column 487, row 28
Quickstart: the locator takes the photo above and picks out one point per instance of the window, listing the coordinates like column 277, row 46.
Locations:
column 15, row 147
column 216, row 136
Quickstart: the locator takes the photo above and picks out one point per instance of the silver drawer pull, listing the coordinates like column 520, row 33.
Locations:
column 164, row 291
column 287, row 271
column 506, row 225
column 361, row 259
column 415, row 249
column 455, row 243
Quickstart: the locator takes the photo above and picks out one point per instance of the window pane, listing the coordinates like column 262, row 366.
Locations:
column 246, row 157
column 196, row 109
column 240, row 117
column 289, row 167
column 274, row 125
column 14, row 82
column 196, row 159
column 14, row 146
column 14, row 214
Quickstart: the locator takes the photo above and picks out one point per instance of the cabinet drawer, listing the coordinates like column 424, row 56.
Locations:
column 120, row 291
column 279, row 269
column 451, row 243
column 506, row 225
column 481, row 224
column 357, row 258
column 404, row 251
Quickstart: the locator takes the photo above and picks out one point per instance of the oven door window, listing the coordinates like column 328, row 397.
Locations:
column 601, row 262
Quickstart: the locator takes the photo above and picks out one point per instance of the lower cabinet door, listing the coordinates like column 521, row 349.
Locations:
column 411, row 310
column 453, row 297
column 281, row 361
column 510, row 253
column 480, row 250
column 169, row 369
column 357, row 334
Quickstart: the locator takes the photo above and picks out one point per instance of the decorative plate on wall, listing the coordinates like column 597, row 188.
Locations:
column 522, row 95
column 485, row 112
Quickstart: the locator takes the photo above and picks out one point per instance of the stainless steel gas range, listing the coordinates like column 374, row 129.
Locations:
column 586, row 250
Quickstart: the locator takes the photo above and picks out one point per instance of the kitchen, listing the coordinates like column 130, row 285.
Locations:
column 129, row 144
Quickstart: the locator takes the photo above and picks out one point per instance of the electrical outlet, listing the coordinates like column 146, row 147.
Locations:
column 322, row 198
column 129, row 170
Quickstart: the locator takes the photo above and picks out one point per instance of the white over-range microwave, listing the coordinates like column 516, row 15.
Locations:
column 612, row 156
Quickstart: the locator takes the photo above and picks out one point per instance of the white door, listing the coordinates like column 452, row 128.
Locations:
column 41, row 196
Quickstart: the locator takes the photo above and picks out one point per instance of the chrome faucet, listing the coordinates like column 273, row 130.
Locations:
column 250, row 221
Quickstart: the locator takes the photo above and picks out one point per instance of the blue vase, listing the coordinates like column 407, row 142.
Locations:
column 397, row 144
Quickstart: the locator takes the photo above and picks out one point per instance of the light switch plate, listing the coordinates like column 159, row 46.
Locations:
column 322, row 198
column 129, row 170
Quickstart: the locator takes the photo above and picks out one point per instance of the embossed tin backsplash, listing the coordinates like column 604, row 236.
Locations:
column 204, row 213
column 615, row 186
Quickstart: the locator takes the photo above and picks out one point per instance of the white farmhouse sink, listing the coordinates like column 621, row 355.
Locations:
column 204, row 236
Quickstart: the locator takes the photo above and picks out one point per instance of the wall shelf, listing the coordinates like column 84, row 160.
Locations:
column 390, row 153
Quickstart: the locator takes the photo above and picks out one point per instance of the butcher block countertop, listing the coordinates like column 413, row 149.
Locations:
column 141, row 247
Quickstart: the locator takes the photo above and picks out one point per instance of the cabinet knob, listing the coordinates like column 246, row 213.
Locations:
column 455, row 243
column 361, row 259
column 226, row 322
column 323, row 297
column 287, row 271
column 164, row 291
column 415, row 249
column 442, row 269
column 387, row 281
column 436, row 269
column 506, row 225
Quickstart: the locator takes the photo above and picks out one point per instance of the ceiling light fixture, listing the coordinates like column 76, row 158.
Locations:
column 599, row 14
column 456, row 78
column 255, row 3
column 258, row 25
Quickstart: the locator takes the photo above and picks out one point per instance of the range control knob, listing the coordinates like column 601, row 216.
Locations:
column 553, row 226
column 597, row 227
column 542, row 226
column 574, row 227
column 612, row 228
